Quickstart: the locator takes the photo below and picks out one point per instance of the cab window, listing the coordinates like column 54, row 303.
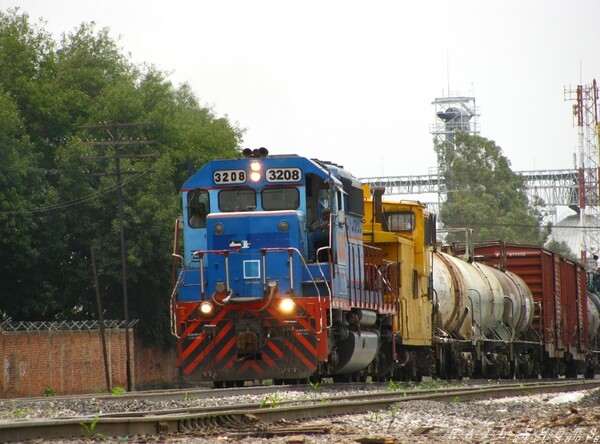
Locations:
column 198, row 208
column 280, row 198
column 401, row 221
column 237, row 200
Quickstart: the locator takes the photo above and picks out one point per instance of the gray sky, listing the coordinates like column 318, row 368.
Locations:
column 353, row 81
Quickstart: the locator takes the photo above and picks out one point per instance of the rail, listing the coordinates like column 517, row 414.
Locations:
column 201, row 419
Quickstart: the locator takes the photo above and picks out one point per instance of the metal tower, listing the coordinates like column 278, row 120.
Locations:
column 452, row 114
column 585, row 112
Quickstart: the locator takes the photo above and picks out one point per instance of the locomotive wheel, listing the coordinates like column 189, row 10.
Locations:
column 218, row 384
column 315, row 379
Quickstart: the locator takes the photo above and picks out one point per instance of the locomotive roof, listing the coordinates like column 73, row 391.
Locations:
column 204, row 176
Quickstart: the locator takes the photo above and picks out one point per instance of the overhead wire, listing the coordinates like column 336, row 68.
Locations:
column 77, row 201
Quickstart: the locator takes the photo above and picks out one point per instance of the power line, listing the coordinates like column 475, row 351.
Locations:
column 77, row 201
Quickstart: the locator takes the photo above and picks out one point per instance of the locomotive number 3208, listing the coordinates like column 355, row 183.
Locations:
column 284, row 175
column 229, row 176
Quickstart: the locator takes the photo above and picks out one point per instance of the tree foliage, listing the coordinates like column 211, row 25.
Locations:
column 484, row 194
column 53, row 211
column 562, row 248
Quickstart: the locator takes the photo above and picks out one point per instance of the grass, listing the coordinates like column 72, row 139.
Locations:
column 89, row 428
column 271, row 400
column 116, row 391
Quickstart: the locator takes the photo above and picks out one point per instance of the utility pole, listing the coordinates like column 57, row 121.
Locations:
column 117, row 143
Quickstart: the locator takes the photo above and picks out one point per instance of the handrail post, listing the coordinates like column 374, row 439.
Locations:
column 201, row 259
column 291, row 255
column 227, row 270
column 263, row 252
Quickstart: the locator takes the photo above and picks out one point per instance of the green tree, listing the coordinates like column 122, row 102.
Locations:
column 561, row 248
column 485, row 194
column 52, row 210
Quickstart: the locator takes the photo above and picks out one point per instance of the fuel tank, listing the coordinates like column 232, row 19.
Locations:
column 470, row 298
column 356, row 352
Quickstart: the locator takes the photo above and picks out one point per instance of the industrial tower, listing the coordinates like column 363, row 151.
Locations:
column 452, row 114
column 585, row 113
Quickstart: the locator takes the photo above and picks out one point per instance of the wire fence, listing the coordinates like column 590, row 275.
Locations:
column 10, row 325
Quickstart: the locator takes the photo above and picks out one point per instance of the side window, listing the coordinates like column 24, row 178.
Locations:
column 237, row 200
column 401, row 221
column 323, row 199
column 198, row 208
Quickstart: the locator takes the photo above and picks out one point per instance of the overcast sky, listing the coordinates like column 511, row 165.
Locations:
column 353, row 82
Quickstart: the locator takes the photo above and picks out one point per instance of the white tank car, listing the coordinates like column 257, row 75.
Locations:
column 593, row 315
column 518, row 302
column 474, row 299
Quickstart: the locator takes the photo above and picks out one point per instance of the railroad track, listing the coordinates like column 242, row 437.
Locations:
column 260, row 419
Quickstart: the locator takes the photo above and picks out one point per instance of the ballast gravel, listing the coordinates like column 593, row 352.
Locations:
column 548, row 418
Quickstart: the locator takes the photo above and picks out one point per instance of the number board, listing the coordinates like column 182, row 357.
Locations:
column 284, row 174
column 229, row 176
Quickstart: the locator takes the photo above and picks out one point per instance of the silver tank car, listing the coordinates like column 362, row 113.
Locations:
column 518, row 301
column 475, row 299
column 593, row 306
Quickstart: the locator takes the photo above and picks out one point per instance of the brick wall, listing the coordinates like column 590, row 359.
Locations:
column 71, row 362
column 155, row 368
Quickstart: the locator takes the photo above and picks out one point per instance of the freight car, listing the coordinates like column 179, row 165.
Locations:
column 565, row 315
column 260, row 293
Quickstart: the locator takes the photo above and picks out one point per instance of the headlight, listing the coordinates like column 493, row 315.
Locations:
column 255, row 168
column 287, row 306
column 283, row 226
column 219, row 229
column 207, row 309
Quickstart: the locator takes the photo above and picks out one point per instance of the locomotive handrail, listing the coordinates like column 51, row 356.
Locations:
column 172, row 300
column 404, row 311
column 264, row 251
column 200, row 254
column 318, row 292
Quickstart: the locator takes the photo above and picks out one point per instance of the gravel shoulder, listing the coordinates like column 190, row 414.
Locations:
column 549, row 418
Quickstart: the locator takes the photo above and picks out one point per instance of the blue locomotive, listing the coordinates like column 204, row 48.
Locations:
column 273, row 266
